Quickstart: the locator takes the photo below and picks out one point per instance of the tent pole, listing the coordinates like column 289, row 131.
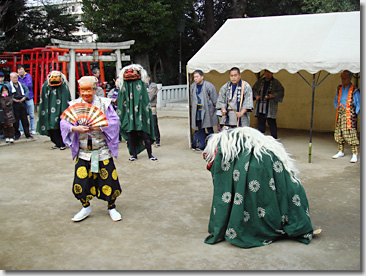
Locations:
column 312, row 117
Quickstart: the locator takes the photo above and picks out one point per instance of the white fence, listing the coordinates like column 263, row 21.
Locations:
column 171, row 94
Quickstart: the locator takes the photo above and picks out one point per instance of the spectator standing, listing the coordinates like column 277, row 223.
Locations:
column 235, row 101
column 203, row 108
column 26, row 79
column 152, row 90
column 100, row 85
column 20, row 94
column 268, row 92
column 6, row 104
column 347, row 103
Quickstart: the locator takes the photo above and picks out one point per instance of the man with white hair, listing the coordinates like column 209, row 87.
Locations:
column 20, row 94
column 94, row 148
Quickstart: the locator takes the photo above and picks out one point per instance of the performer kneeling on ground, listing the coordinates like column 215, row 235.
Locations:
column 257, row 196
column 89, row 144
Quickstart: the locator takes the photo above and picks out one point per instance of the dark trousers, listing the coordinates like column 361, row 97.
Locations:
column 56, row 138
column 156, row 129
column 202, row 133
column 271, row 122
column 8, row 131
column 133, row 138
column 20, row 113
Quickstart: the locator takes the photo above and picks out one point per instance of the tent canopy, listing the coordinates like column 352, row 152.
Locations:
column 311, row 42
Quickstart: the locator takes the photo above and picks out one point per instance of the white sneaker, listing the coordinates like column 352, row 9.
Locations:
column 339, row 154
column 11, row 140
column 84, row 212
column 33, row 132
column 354, row 158
column 21, row 133
column 114, row 214
column 7, row 140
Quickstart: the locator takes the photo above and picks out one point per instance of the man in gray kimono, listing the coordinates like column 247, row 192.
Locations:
column 268, row 92
column 203, row 101
column 235, row 101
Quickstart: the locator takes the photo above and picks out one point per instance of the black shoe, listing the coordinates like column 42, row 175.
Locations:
column 16, row 138
column 54, row 147
column 131, row 159
column 62, row 148
column 157, row 145
column 30, row 137
column 152, row 158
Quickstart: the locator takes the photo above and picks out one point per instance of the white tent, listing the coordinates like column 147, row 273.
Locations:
column 314, row 42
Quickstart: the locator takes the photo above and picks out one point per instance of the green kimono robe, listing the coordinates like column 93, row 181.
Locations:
column 54, row 100
column 134, row 111
column 255, row 201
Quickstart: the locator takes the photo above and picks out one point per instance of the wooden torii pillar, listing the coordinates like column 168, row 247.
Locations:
column 95, row 46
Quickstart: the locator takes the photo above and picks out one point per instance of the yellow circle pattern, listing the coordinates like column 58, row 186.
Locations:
column 95, row 175
column 106, row 162
column 77, row 189
column 88, row 198
column 107, row 190
column 76, row 160
column 98, row 193
column 82, row 172
column 114, row 174
column 92, row 191
column 115, row 194
column 103, row 173
column 90, row 174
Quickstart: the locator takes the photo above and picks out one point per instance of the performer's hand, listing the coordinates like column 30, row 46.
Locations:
column 241, row 113
column 81, row 129
column 223, row 111
column 92, row 128
column 257, row 97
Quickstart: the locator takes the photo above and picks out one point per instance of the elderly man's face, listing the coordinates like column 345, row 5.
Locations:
column 87, row 92
column 14, row 78
column 346, row 80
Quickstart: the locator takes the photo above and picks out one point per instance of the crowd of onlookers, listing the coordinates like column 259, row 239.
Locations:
column 16, row 105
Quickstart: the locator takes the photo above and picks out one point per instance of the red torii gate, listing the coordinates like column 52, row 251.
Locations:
column 43, row 60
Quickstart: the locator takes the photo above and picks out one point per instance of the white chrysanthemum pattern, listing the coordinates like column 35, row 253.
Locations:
column 267, row 242
column 272, row 184
column 226, row 197
column 261, row 212
column 246, row 216
column 58, row 101
column 138, row 87
column 284, row 219
column 238, row 199
column 308, row 236
column 254, row 186
column 280, row 231
column 308, row 212
column 225, row 166
column 236, row 175
column 246, row 167
column 296, row 200
column 231, row 233
column 214, row 210
column 53, row 110
column 277, row 166
column 136, row 108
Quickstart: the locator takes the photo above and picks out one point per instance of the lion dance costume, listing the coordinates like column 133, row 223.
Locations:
column 55, row 96
column 134, row 111
column 257, row 196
